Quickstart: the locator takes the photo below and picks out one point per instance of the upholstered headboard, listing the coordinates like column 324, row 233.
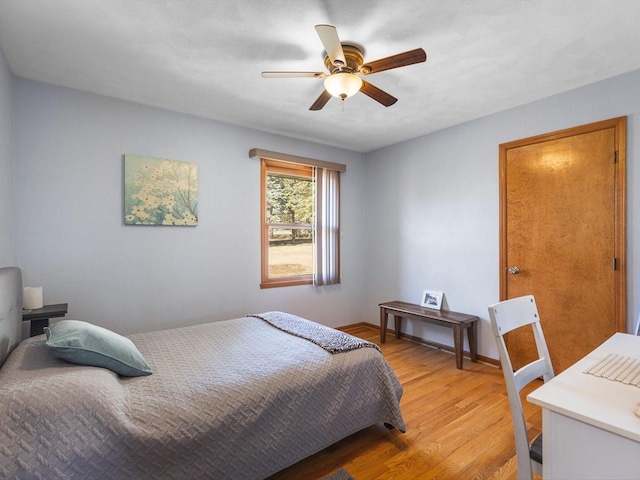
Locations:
column 10, row 310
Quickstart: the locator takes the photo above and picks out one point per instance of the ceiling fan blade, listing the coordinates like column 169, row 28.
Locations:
column 394, row 61
column 331, row 42
column 378, row 95
column 293, row 74
column 321, row 101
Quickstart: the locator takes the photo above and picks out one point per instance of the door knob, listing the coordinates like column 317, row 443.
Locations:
column 514, row 270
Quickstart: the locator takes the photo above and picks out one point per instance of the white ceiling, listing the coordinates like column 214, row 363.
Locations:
column 205, row 57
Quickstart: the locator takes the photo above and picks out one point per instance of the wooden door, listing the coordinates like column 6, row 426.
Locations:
column 562, row 209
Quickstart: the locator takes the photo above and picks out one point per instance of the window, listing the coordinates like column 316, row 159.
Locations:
column 300, row 216
column 288, row 199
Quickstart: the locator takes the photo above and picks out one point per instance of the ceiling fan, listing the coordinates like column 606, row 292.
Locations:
column 344, row 61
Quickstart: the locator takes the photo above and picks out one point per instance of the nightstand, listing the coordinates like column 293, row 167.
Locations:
column 39, row 317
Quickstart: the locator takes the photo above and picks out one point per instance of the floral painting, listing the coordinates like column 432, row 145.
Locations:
column 159, row 191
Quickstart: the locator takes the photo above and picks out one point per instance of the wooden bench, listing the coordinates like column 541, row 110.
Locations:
column 458, row 321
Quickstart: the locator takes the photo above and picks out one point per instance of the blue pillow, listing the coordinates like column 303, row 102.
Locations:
column 86, row 344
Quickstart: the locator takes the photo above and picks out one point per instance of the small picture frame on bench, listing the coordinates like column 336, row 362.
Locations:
column 431, row 299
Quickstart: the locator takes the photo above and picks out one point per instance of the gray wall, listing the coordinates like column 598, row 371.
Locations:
column 6, row 164
column 431, row 216
column 432, row 205
column 70, row 236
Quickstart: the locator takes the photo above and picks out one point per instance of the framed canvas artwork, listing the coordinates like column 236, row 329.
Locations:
column 158, row 191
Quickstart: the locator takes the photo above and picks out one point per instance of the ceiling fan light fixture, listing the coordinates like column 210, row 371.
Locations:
column 343, row 85
column 344, row 61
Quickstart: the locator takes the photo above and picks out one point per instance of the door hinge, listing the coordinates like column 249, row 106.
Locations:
column 614, row 263
column 615, row 156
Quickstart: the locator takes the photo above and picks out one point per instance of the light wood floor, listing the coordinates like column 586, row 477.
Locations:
column 458, row 423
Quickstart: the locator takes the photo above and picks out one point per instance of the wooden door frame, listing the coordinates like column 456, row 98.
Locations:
column 619, row 125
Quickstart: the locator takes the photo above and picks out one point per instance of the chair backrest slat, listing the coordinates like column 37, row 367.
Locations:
column 530, row 372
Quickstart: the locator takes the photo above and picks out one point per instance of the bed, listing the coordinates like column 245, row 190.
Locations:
column 232, row 399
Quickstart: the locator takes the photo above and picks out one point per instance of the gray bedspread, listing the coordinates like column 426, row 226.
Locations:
column 234, row 399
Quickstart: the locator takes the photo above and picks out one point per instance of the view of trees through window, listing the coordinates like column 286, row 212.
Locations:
column 289, row 216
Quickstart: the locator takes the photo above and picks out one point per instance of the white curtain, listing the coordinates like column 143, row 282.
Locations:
column 327, row 247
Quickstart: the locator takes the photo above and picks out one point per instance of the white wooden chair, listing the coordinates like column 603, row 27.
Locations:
column 505, row 317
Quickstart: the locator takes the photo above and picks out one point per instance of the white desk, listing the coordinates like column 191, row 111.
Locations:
column 590, row 430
